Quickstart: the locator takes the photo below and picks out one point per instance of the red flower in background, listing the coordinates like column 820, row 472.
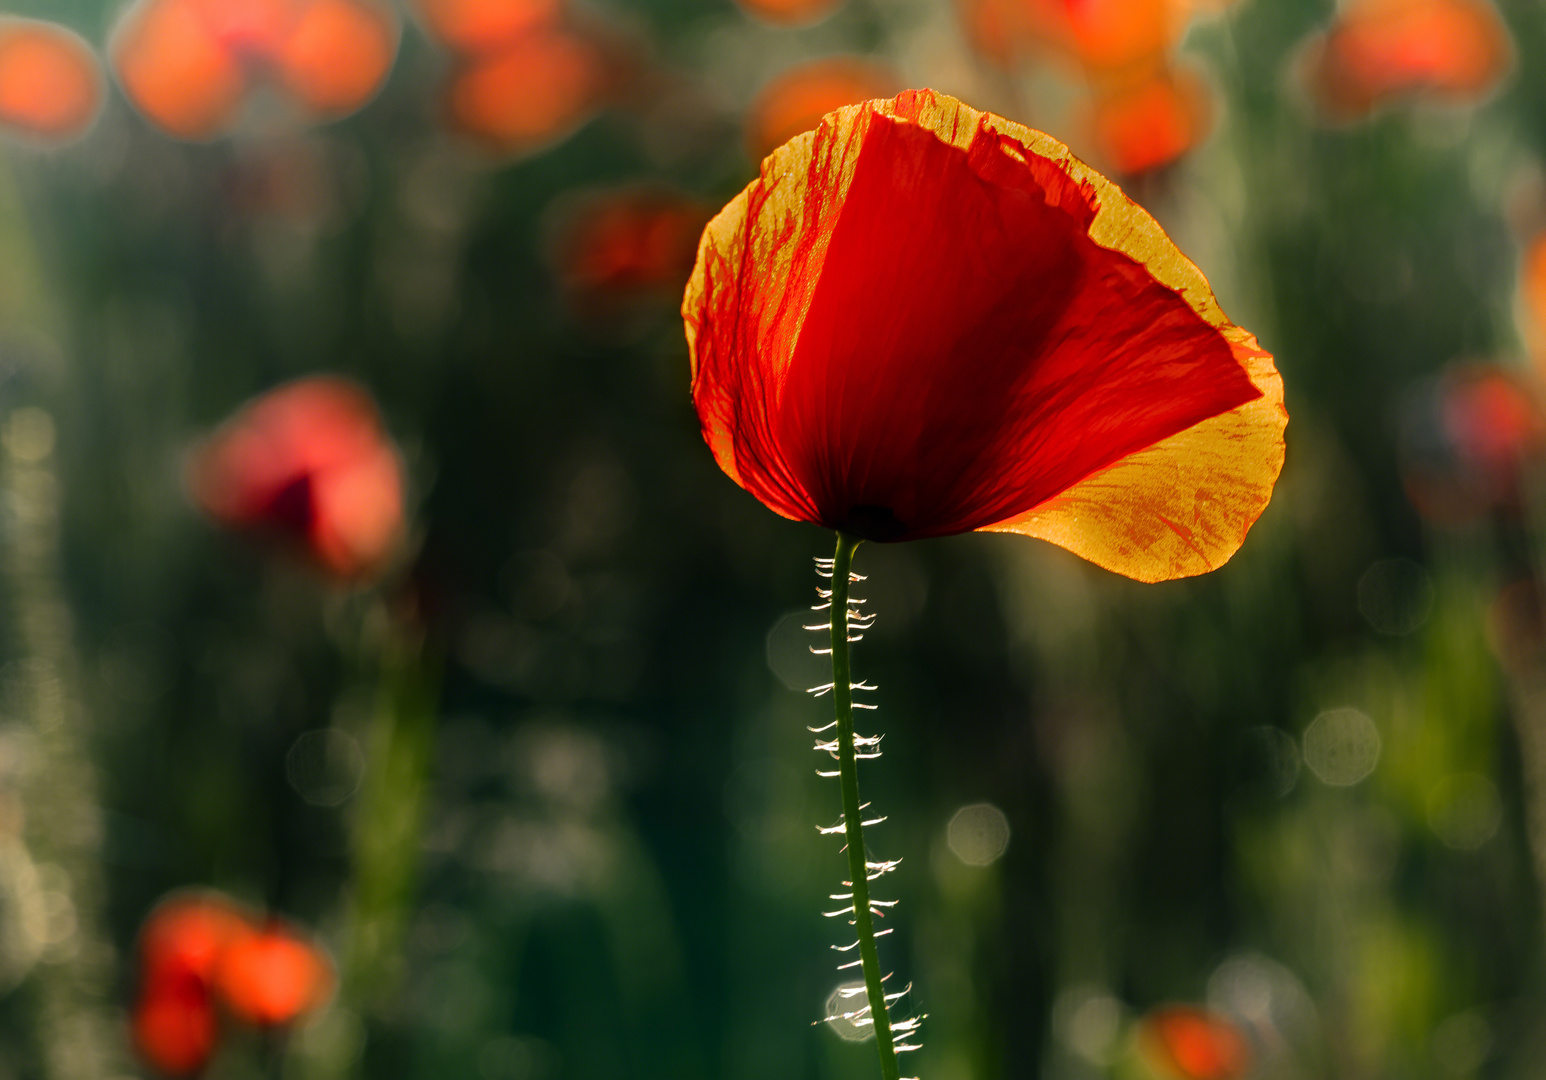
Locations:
column 189, row 65
column 1466, row 442
column 50, row 82
column 615, row 245
column 529, row 94
column 271, row 976
column 1379, row 50
column 797, row 99
column 308, row 461
column 174, row 1018
column 527, row 74
column 201, row 952
column 1194, row 1044
column 925, row 320
column 1150, row 124
column 1096, row 35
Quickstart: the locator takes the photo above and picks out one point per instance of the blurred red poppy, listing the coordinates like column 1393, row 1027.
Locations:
column 626, row 242
column 529, row 94
column 1195, row 1044
column 1147, row 126
column 1466, row 441
column 181, row 944
column 273, row 976
column 924, row 320
column 1097, row 35
column 50, row 82
column 484, row 26
column 310, row 462
column 1378, row 50
column 337, row 55
column 187, row 65
column 797, row 99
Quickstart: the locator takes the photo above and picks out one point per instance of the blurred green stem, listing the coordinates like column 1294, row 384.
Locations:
column 853, row 830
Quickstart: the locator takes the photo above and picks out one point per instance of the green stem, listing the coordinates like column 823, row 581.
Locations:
column 853, row 830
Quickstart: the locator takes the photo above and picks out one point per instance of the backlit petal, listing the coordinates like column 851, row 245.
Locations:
column 924, row 320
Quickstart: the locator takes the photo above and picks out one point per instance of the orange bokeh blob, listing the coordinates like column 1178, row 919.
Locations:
column 273, row 976
column 185, row 936
column 1195, row 1044
column 175, row 71
column 338, row 55
column 1099, row 36
column 180, row 947
column 187, row 65
column 622, row 243
column 530, row 94
column 796, row 100
column 1149, row 125
column 483, row 26
column 309, row 462
column 50, row 82
column 1377, row 50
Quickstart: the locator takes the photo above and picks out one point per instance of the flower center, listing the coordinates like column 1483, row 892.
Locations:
column 876, row 523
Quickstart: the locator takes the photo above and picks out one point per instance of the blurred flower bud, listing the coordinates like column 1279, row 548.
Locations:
column 309, row 462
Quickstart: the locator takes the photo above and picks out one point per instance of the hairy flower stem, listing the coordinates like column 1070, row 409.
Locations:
column 853, row 831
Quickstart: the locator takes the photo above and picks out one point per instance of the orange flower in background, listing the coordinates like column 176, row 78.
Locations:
column 273, row 976
column 189, row 65
column 529, row 94
column 308, row 461
column 797, row 99
column 174, row 1020
column 1152, row 124
column 1379, row 50
column 483, row 26
column 924, row 320
column 1194, row 1044
column 1097, row 35
column 50, row 82
column 200, row 953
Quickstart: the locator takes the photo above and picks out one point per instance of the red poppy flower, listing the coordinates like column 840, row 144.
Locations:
column 796, row 100
column 1147, row 126
column 308, row 461
column 924, row 320
column 50, row 83
column 273, row 976
column 1466, row 441
column 1195, row 1044
column 1377, row 50
column 182, row 942
column 1097, row 35
column 188, row 65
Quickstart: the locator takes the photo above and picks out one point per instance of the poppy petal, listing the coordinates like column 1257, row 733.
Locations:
column 924, row 320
